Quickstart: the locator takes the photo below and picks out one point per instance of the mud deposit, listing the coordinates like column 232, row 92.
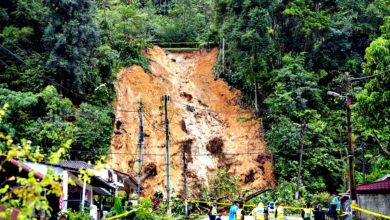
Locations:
column 204, row 114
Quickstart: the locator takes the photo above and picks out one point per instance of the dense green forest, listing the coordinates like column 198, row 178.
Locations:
column 58, row 60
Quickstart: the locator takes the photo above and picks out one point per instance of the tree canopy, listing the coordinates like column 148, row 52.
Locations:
column 59, row 59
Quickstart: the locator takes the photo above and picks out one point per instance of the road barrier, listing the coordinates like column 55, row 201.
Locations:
column 357, row 208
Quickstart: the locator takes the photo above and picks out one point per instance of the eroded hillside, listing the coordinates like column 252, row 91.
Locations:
column 204, row 113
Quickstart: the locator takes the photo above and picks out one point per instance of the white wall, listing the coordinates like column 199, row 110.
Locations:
column 379, row 203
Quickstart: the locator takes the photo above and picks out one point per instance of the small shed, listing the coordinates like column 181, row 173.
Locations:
column 375, row 197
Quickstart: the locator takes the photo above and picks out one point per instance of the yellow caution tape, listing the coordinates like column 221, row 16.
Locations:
column 294, row 208
column 245, row 205
column 182, row 43
column 121, row 215
column 218, row 203
column 248, row 205
column 356, row 207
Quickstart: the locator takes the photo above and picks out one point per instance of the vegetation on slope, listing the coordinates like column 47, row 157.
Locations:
column 58, row 61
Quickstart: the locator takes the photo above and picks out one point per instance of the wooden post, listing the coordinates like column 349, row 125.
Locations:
column 302, row 140
column 352, row 186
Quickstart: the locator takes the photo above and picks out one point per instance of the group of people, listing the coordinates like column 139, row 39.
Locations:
column 262, row 212
column 236, row 212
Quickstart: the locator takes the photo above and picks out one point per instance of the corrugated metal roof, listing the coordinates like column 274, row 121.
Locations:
column 76, row 165
column 380, row 186
column 386, row 177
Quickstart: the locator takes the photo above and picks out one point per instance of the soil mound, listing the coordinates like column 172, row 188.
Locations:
column 203, row 113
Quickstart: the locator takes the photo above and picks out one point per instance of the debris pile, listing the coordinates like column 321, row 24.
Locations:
column 204, row 114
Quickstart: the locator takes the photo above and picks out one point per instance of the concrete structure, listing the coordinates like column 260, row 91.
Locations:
column 375, row 197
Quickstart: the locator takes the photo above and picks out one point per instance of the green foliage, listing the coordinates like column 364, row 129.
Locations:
column 283, row 194
column 48, row 119
column 70, row 37
column 311, row 20
column 288, row 54
column 187, row 22
column 16, row 35
column 313, row 44
column 380, row 167
column 122, row 28
column 79, row 216
column 322, row 199
column 117, row 209
column 295, row 90
column 373, row 103
column 143, row 211
column 94, row 132
column 30, row 195
column 222, row 185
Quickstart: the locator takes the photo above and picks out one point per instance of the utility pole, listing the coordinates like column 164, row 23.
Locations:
column 352, row 187
column 302, row 141
column 166, row 99
column 185, row 180
column 363, row 161
column 140, row 140
column 223, row 57
column 256, row 104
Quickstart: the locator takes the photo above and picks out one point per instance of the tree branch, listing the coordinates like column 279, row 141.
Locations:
column 380, row 143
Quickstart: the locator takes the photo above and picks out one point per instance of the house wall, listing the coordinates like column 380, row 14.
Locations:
column 379, row 203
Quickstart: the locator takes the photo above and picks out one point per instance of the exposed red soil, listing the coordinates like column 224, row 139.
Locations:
column 203, row 112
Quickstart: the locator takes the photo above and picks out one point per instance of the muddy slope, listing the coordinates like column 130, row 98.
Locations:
column 204, row 114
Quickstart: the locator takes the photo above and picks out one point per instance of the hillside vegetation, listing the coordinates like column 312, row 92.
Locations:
column 59, row 59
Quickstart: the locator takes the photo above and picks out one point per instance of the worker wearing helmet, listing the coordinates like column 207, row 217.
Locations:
column 272, row 212
column 258, row 212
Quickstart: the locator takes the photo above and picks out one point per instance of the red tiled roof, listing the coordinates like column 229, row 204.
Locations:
column 380, row 186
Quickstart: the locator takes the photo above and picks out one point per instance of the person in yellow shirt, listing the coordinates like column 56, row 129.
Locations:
column 213, row 211
column 307, row 213
column 258, row 212
column 280, row 212
column 271, row 210
column 240, row 212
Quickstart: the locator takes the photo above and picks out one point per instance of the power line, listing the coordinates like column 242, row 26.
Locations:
column 21, row 60
column 51, row 80
column 174, row 155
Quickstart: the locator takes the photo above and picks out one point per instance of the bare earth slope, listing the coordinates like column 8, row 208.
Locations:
column 204, row 113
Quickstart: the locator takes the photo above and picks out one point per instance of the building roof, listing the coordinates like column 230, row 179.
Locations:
column 76, row 165
column 26, row 168
column 386, row 177
column 374, row 187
